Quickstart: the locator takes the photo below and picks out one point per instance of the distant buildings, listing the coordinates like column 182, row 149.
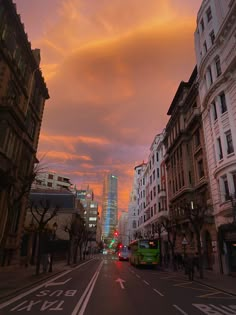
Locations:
column 123, row 235
column 51, row 180
column 109, row 206
column 22, row 98
column 133, row 208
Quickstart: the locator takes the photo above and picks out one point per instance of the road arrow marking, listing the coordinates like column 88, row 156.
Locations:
column 53, row 284
column 121, row 282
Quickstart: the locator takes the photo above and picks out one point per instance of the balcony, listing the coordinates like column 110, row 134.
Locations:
column 191, row 116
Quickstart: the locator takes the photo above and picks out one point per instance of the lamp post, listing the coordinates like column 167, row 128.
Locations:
column 52, row 249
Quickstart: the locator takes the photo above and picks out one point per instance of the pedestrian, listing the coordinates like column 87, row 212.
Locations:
column 196, row 261
column 190, row 267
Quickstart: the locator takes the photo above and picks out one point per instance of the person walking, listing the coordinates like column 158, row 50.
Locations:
column 190, row 267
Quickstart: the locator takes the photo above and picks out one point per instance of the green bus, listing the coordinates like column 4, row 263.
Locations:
column 144, row 252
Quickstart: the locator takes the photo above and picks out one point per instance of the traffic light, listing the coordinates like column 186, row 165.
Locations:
column 116, row 233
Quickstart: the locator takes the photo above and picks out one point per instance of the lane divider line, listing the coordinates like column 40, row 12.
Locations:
column 180, row 309
column 20, row 296
column 158, row 292
column 83, row 297
column 138, row 276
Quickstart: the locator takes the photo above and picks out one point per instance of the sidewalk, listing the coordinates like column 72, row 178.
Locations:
column 212, row 279
column 218, row 281
column 14, row 279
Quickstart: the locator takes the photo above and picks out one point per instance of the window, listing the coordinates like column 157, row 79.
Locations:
column 154, row 191
column 209, row 14
column 220, row 149
column 234, row 181
column 223, row 103
column 154, row 175
column 197, row 138
column 200, row 169
column 202, row 25
column 212, row 37
column 210, row 75
column 214, row 110
column 218, row 66
column 158, row 188
column 153, row 159
column 229, row 141
column 226, row 188
column 49, row 184
column 157, row 157
column 158, row 173
column 205, row 47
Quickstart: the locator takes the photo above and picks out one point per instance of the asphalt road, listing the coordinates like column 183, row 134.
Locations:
column 107, row 286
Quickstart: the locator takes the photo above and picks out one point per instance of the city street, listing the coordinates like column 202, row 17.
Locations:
column 105, row 285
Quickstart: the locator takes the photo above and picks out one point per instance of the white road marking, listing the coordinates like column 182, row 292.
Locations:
column 138, row 276
column 82, row 298
column 147, row 283
column 180, row 309
column 20, row 296
column 90, row 292
column 158, row 292
column 121, row 282
column 52, row 284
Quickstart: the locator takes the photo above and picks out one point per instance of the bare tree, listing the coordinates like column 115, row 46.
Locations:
column 42, row 213
column 17, row 195
column 171, row 227
column 159, row 230
column 197, row 215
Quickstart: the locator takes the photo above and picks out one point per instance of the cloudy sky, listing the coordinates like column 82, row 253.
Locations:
column 112, row 68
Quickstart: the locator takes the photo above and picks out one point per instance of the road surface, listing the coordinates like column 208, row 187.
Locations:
column 107, row 286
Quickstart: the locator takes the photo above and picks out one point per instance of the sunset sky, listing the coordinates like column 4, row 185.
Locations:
column 112, row 68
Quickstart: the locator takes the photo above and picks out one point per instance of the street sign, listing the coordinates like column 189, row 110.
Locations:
column 184, row 241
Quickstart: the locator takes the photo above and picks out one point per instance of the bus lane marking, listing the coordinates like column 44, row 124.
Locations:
column 57, row 283
column 211, row 309
column 158, row 292
column 180, row 309
column 44, row 284
column 147, row 283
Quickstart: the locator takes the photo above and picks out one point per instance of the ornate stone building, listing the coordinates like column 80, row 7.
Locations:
column 187, row 173
column 22, row 97
column 215, row 47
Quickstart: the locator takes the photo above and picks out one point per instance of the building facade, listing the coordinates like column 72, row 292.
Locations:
column 123, row 235
column 51, row 180
column 109, row 206
column 133, row 207
column 22, row 98
column 187, row 172
column 215, row 48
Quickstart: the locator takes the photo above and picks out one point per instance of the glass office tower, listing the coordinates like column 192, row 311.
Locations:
column 109, row 206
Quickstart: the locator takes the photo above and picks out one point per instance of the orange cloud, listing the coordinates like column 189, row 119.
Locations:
column 112, row 70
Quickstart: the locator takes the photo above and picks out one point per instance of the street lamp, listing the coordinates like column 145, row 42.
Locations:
column 52, row 248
